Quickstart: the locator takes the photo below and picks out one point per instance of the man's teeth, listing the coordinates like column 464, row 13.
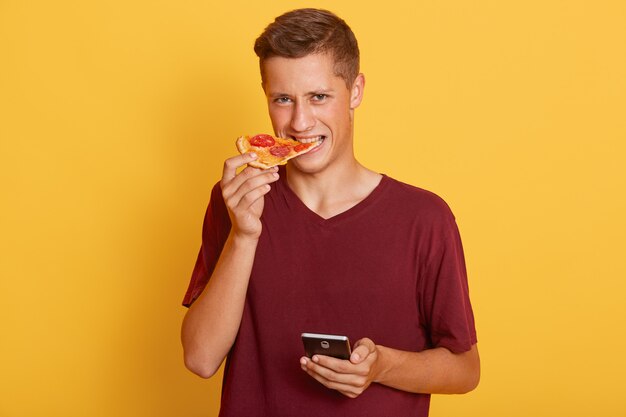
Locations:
column 310, row 140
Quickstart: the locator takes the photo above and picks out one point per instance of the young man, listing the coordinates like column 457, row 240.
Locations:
column 326, row 245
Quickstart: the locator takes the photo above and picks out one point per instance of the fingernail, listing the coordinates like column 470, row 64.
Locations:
column 356, row 357
column 252, row 154
column 302, row 361
column 315, row 359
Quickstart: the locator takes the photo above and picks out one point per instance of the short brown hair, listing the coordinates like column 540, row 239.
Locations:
column 301, row 32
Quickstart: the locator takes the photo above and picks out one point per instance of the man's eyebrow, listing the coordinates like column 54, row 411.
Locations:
column 321, row 91
column 310, row 93
column 277, row 94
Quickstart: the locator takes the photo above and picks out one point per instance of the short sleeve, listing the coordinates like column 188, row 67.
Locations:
column 215, row 230
column 445, row 307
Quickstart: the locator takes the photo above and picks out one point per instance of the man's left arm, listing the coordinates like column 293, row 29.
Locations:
column 432, row 371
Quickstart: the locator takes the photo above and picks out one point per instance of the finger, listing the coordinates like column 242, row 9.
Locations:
column 251, row 189
column 362, row 349
column 252, row 197
column 336, row 370
column 229, row 187
column 348, row 390
column 336, row 365
column 232, row 164
column 349, row 385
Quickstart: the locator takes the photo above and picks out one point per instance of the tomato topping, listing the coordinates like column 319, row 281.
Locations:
column 302, row 146
column 280, row 150
column 262, row 141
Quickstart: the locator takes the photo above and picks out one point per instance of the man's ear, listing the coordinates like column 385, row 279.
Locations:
column 356, row 93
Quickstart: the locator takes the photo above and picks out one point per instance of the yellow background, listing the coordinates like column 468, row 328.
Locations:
column 116, row 117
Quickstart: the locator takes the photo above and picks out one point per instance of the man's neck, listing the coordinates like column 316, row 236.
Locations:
column 334, row 190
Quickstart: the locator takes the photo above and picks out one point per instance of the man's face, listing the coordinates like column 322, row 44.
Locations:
column 307, row 101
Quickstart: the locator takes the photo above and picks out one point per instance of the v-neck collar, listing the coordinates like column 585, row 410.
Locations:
column 300, row 209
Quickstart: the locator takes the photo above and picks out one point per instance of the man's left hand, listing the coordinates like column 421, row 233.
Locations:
column 349, row 377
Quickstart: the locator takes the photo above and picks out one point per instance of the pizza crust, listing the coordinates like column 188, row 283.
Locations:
column 265, row 159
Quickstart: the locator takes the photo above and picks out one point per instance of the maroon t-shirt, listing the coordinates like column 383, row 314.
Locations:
column 391, row 268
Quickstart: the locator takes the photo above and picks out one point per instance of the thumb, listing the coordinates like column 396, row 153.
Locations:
column 362, row 349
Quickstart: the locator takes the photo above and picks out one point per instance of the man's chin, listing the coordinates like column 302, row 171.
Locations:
column 305, row 166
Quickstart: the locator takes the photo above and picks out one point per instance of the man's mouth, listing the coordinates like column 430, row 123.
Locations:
column 310, row 139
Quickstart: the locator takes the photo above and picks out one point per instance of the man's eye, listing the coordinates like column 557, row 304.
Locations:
column 282, row 100
column 320, row 97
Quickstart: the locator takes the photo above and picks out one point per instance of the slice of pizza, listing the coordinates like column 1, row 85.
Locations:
column 272, row 151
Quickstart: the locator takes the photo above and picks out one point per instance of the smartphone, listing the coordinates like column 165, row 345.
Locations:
column 333, row 345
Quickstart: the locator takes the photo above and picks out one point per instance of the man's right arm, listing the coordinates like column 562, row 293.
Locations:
column 211, row 324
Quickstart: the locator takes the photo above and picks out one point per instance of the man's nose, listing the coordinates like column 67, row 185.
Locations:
column 302, row 118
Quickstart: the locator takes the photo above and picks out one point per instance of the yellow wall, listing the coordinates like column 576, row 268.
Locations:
column 115, row 117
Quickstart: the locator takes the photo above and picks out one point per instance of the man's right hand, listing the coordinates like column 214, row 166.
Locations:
column 244, row 194
column 212, row 322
